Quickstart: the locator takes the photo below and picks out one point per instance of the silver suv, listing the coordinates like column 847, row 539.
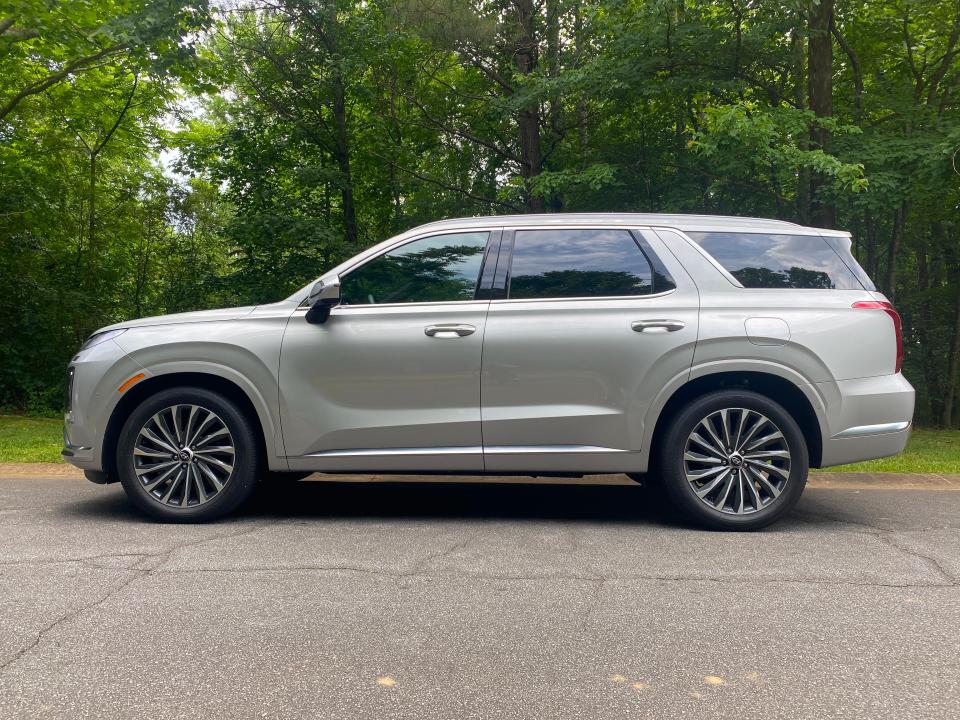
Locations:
column 721, row 357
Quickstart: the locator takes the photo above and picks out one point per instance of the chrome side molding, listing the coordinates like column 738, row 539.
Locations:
column 863, row 430
column 467, row 450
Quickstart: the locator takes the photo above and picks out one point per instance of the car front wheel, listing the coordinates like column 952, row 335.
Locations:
column 187, row 455
column 734, row 460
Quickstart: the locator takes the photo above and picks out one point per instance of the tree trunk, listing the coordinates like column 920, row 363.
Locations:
column 342, row 152
column 800, row 99
column 582, row 137
column 954, row 361
column 855, row 68
column 820, row 94
column 870, row 226
column 528, row 119
column 90, row 274
column 923, row 328
column 953, row 358
column 899, row 222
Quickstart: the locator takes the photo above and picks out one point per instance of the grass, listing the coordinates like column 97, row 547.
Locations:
column 29, row 440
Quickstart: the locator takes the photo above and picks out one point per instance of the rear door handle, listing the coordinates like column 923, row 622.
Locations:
column 657, row 326
column 449, row 331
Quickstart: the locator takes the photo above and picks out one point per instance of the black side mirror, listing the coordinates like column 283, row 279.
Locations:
column 323, row 297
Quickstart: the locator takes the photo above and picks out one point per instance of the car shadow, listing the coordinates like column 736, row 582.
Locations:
column 409, row 499
column 491, row 500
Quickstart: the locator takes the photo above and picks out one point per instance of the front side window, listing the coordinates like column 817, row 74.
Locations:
column 440, row 268
column 581, row 263
column 763, row 260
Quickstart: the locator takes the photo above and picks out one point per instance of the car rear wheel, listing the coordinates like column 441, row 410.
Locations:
column 734, row 460
column 187, row 455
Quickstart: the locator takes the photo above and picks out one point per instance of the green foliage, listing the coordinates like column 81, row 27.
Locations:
column 296, row 133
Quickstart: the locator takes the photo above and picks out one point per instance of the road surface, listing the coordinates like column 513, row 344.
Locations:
column 467, row 600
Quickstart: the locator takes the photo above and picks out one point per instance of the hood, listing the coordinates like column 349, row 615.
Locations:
column 186, row 317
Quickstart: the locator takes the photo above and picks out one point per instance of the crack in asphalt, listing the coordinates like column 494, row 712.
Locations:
column 887, row 535
column 594, row 600
column 458, row 545
column 69, row 616
column 136, row 573
column 931, row 562
column 388, row 573
column 152, row 564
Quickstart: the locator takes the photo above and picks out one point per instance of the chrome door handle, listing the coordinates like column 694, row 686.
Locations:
column 448, row 331
column 657, row 326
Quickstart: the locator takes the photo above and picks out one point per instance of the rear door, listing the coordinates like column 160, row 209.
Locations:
column 586, row 326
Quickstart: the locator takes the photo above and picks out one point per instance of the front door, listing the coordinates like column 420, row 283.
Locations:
column 392, row 380
column 594, row 323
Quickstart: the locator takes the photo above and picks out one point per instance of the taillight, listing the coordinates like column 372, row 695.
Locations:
column 897, row 324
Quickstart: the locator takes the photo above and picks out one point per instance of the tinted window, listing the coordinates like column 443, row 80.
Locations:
column 760, row 260
column 842, row 247
column 578, row 263
column 441, row 268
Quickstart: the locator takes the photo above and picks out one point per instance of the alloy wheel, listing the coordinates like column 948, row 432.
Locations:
column 737, row 461
column 184, row 455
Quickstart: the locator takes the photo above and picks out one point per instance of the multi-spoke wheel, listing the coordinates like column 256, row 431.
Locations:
column 187, row 454
column 184, row 455
column 734, row 460
column 737, row 460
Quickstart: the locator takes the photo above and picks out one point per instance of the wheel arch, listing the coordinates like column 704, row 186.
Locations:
column 787, row 392
column 251, row 404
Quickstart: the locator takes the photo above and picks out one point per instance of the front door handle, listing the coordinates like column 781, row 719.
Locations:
column 657, row 326
column 448, row 331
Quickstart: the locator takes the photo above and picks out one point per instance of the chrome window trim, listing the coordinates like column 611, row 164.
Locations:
column 591, row 298
column 338, row 309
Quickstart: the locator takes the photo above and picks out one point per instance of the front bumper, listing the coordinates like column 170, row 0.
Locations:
column 96, row 374
column 78, row 455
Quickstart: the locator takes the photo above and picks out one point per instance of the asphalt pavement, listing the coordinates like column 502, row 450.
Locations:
column 478, row 600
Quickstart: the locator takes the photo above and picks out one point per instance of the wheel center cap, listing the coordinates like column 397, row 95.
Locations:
column 736, row 460
column 185, row 455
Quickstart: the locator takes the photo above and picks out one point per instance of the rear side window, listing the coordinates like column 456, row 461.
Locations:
column 762, row 260
column 582, row 263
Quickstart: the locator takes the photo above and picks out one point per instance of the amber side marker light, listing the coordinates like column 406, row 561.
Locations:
column 132, row 381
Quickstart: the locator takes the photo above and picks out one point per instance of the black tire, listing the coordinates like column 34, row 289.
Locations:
column 682, row 492
column 286, row 477
column 239, row 482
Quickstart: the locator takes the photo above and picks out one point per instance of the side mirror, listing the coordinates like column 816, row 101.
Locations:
column 323, row 297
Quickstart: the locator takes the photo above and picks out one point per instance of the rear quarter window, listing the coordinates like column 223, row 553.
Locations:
column 765, row 260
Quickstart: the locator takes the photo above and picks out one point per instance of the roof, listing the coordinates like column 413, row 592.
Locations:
column 681, row 222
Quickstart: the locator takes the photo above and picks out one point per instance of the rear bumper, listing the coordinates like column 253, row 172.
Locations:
column 869, row 418
column 840, row 451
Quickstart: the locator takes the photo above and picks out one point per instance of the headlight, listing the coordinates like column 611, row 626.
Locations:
column 100, row 337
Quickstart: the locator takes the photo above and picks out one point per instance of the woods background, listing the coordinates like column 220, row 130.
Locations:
column 159, row 155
